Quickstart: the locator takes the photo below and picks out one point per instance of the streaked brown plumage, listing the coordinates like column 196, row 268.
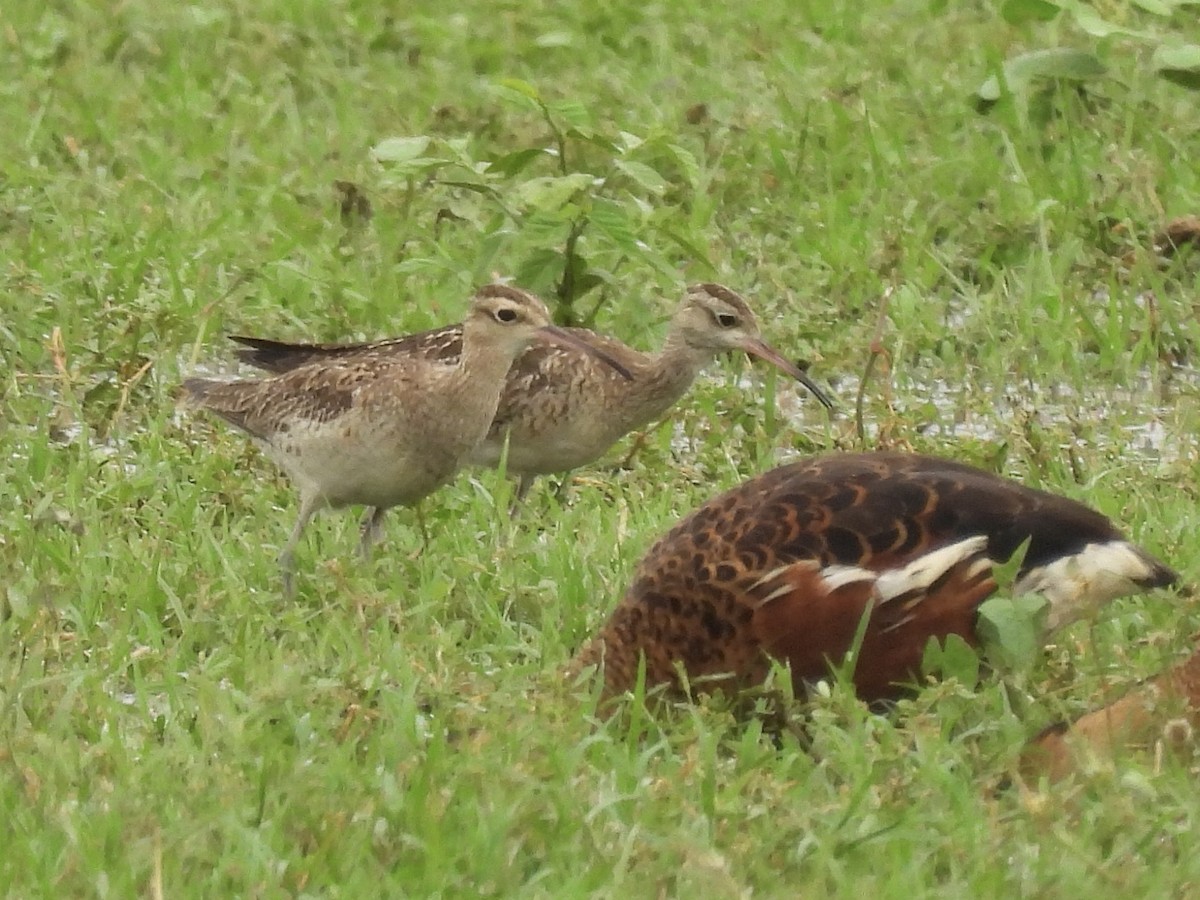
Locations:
column 786, row 564
column 383, row 430
column 1164, row 707
column 559, row 408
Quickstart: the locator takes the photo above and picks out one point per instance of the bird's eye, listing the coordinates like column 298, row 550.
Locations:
column 725, row 320
column 506, row 315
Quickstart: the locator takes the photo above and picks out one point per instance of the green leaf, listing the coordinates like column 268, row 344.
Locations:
column 540, row 268
column 1158, row 7
column 520, row 94
column 1012, row 628
column 1178, row 57
column 573, row 113
column 1018, row 12
column 1005, row 574
column 614, row 222
column 524, row 88
column 1092, row 23
column 990, row 91
column 1059, row 62
column 1178, row 63
column 398, row 150
column 552, row 191
column 1182, row 77
column 548, row 228
column 952, row 657
column 694, row 250
column 687, row 163
column 644, row 175
column 514, row 163
column 588, row 136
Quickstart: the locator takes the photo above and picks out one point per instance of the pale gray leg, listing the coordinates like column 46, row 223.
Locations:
column 372, row 528
column 287, row 558
column 523, row 486
column 564, row 488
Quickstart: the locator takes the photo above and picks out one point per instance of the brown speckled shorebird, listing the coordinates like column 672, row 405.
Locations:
column 559, row 408
column 785, row 565
column 1166, row 707
column 383, row 430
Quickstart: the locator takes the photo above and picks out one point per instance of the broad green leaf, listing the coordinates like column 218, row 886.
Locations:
column 552, row 191
column 687, row 162
column 540, row 269
column 1095, row 25
column 572, row 113
column 1158, row 7
column 398, row 150
column 596, row 140
column 990, row 91
column 1179, row 63
column 1012, row 629
column 1183, row 77
column 524, row 88
column 1185, row 57
column 519, row 93
column 548, row 228
column 1058, row 62
column 694, row 250
column 1018, row 12
column 614, row 222
column 628, row 141
column 644, row 175
column 1005, row 573
column 952, row 657
column 516, row 162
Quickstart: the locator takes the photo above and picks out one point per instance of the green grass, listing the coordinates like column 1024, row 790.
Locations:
column 169, row 723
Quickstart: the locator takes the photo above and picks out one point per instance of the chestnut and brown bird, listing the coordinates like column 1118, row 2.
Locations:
column 384, row 430
column 560, row 409
column 786, row 565
column 1165, row 707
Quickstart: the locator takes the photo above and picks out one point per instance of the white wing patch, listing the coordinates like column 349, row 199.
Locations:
column 780, row 573
column 1077, row 584
column 835, row 577
column 1074, row 585
column 924, row 571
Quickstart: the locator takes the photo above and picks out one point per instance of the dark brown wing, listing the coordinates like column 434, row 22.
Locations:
column 788, row 562
column 281, row 356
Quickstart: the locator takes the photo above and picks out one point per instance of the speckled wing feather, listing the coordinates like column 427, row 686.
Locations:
column 443, row 343
column 315, row 393
column 539, row 386
column 787, row 564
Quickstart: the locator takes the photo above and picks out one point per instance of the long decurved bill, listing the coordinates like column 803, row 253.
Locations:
column 764, row 351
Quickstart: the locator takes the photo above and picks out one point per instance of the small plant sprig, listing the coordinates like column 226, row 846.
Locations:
column 1171, row 57
column 565, row 213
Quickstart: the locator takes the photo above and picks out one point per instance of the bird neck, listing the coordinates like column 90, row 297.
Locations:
column 677, row 364
column 485, row 361
column 480, row 375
